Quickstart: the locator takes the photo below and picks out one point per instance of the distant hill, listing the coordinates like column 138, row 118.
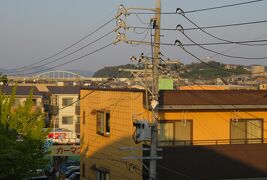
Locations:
column 111, row 71
column 191, row 71
column 205, row 72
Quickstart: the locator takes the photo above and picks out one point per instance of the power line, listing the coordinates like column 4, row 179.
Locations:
column 57, row 59
column 199, row 10
column 237, row 46
column 88, row 35
column 73, row 60
column 228, row 25
column 259, row 43
column 226, row 55
column 224, row 6
column 218, row 38
column 207, row 27
column 215, row 67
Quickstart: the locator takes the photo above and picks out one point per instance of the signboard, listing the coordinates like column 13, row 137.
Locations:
column 64, row 150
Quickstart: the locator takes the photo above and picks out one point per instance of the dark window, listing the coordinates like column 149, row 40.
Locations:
column 246, row 131
column 67, row 101
column 67, row 120
column 103, row 123
column 102, row 174
column 34, row 102
column 83, row 170
column 83, row 117
column 178, row 132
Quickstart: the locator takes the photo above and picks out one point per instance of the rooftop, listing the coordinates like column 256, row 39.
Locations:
column 64, row 89
column 20, row 90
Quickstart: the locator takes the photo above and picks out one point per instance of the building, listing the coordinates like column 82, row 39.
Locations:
column 64, row 109
column 107, row 118
column 204, row 134
column 22, row 93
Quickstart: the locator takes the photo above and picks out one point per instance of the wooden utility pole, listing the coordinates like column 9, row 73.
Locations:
column 155, row 92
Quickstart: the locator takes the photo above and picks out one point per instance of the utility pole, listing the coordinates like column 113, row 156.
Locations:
column 155, row 92
column 155, row 76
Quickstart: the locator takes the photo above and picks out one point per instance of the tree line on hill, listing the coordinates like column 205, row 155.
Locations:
column 189, row 71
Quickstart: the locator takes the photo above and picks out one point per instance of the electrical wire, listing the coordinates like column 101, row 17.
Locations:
column 73, row 60
column 237, row 46
column 241, row 117
column 104, row 83
column 226, row 70
column 216, row 37
column 222, row 54
column 203, row 9
column 138, row 17
column 224, row 6
column 57, row 59
column 259, row 43
column 68, row 47
column 207, row 27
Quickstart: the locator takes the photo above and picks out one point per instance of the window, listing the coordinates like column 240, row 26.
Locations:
column 34, row 102
column 103, row 123
column 83, row 170
column 175, row 133
column 83, row 117
column 246, row 131
column 67, row 101
column 67, row 120
column 102, row 174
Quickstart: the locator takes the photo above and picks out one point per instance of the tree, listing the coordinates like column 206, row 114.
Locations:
column 3, row 79
column 22, row 140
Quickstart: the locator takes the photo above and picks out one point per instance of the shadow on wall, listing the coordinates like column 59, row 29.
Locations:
column 111, row 159
column 181, row 162
column 213, row 162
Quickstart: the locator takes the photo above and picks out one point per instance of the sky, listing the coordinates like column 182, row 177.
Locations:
column 32, row 30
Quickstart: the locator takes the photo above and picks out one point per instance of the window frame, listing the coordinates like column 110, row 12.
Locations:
column 246, row 139
column 67, row 117
column 105, row 122
column 173, row 141
column 68, row 104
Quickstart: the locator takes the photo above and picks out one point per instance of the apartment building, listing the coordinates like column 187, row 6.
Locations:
column 64, row 109
column 204, row 134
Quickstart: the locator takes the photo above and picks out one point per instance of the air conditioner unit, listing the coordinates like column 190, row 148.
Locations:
column 143, row 131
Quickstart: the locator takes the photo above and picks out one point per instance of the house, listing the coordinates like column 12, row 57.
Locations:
column 107, row 117
column 204, row 134
column 22, row 93
column 64, row 109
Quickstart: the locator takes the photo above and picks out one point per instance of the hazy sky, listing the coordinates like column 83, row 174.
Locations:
column 31, row 30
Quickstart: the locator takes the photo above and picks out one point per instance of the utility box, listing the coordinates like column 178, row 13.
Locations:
column 142, row 131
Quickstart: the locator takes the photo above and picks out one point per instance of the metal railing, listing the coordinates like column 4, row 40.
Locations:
column 212, row 142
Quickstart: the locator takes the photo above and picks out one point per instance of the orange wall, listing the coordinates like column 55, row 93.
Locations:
column 104, row 151
column 213, row 125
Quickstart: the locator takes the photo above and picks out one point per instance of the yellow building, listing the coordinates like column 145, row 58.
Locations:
column 107, row 127
column 204, row 134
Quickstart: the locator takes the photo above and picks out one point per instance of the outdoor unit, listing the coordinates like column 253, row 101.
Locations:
column 142, row 131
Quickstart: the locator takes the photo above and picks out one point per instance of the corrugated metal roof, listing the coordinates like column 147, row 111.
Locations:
column 20, row 90
column 202, row 97
column 64, row 89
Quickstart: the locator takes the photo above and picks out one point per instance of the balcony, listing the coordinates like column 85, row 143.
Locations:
column 212, row 142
